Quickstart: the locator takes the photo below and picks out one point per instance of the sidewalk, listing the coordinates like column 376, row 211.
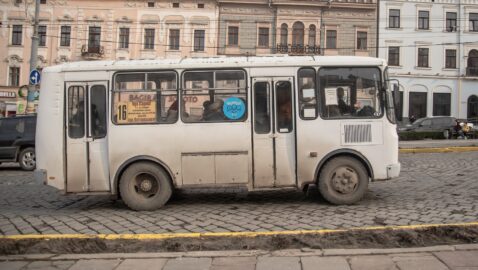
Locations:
column 438, row 143
column 458, row 257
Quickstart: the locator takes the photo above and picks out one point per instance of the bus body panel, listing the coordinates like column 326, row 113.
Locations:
column 50, row 145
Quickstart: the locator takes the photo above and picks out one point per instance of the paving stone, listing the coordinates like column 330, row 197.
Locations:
column 459, row 258
column 234, row 263
column 95, row 264
column 278, row 263
column 12, row 265
column 423, row 262
column 325, row 263
column 378, row 262
column 141, row 264
column 188, row 264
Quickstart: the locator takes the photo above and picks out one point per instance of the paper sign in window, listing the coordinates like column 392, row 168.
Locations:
column 308, row 93
column 331, row 96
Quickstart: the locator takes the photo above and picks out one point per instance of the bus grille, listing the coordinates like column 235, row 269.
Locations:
column 358, row 133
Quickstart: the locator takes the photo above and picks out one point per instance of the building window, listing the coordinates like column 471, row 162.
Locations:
column 394, row 18
column 149, row 39
column 42, row 1
column 393, row 56
column 298, row 34
column 451, row 21
column 417, row 104
column 174, row 39
column 312, row 34
column 42, row 35
column 263, row 37
column 65, row 36
column 472, row 107
column 124, row 38
column 331, row 42
column 423, row 20
column 17, row 34
column 450, row 58
column 474, row 22
column 233, row 35
column 284, row 32
column 14, row 78
column 150, row 4
column 441, row 104
column 472, row 63
column 200, row 5
column 94, row 39
column 361, row 40
column 176, row 5
column 199, row 36
column 422, row 57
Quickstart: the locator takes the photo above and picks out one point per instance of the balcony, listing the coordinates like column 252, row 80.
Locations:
column 298, row 49
column 472, row 71
column 92, row 52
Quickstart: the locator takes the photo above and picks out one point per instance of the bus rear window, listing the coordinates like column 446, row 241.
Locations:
column 145, row 98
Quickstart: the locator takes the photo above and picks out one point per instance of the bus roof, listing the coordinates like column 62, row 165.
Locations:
column 218, row 62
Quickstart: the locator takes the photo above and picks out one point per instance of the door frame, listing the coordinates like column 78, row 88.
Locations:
column 273, row 134
column 87, row 137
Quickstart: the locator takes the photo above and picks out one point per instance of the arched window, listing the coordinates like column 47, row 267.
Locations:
column 472, row 67
column 472, row 107
column 283, row 34
column 298, row 33
column 312, row 34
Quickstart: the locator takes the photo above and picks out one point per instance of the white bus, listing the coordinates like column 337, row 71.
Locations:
column 140, row 129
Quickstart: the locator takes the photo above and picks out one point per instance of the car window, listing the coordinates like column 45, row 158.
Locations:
column 427, row 122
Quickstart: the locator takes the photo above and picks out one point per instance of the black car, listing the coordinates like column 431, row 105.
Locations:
column 17, row 141
column 436, row 124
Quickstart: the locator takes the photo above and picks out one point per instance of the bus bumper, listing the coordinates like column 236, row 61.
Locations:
column 40, row 176
column 393, row 170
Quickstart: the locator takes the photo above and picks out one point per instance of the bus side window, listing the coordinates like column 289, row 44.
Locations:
column 350, row 92
column 307, row 94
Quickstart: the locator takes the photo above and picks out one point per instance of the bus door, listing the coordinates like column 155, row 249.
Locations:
column 86, row 144
column 273, row 132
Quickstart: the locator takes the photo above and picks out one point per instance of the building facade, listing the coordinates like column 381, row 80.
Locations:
column 77, row 30
column 432, row 49
column 345, row 27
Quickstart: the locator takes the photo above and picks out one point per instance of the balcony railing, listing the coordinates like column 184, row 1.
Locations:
column 298, row 49
column 92, row 52
column 472, row 71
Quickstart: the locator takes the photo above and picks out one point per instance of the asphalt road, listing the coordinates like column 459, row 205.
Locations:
column 433, row 188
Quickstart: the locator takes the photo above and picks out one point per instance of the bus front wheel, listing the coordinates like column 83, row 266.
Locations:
column 145, row 186
column 343, row 180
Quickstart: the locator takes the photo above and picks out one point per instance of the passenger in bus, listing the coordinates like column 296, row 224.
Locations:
column 343, row 107
column 214, row 112
column 77, row 121
column 172, row 114
column 284, row 118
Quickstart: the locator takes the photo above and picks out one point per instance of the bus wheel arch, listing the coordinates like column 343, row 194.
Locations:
column 342, row 177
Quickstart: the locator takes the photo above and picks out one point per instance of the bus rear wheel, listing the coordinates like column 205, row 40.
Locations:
column 145, row 186
column 343, row 180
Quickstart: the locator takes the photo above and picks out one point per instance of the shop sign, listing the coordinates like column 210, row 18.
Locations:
column 7, row 94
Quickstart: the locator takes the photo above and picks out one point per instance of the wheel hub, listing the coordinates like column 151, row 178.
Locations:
column 146, row 185
column 345, row 180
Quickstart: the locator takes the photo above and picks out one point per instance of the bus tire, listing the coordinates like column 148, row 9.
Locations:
column 145, row 186
column 27, row 159
column 343, row 180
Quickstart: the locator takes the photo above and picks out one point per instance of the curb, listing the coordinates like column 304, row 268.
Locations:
column 451, row 149
column 305, row 252
column 224, row 234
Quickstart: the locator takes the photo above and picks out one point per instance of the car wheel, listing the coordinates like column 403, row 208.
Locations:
column 343, row 180
column 27, row 159
column 145, row 186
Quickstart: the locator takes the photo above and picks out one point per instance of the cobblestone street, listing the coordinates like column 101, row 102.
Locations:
column 432, row 188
